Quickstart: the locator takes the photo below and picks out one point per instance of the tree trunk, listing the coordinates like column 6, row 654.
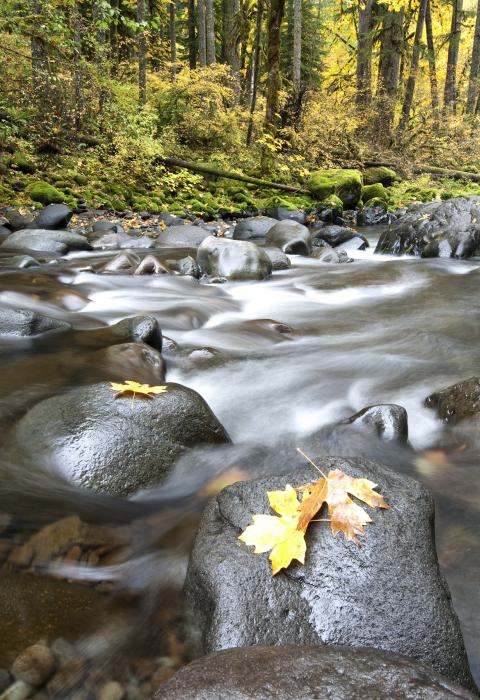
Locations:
column 210, row 31
column 274, row 22
column 232, row 35
column 100, row 50
column 201, row 35
column 142, row 53
column 297, row 46
column 77, row 68
column 473, row 83
column 431, row 61
column 173, row 39
column 450, row 94
column 412, row 78
column 256, row 69
column 364, row 52
column 40, row 67
column 391, row 44
column 192, row 42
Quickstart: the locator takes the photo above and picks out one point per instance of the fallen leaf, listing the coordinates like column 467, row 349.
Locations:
column 131, row 387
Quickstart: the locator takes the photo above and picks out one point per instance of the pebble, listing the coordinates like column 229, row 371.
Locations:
column 34, row 665
column 17, row 691
column 70, row 675
column 111, row 691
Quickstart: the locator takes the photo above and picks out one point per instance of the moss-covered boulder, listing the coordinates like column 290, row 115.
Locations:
column 376, row 191
column 345, row 184
column 19, row 161
column 44, row 193
column 332, row 202
column 385, row 176
column 375, row 202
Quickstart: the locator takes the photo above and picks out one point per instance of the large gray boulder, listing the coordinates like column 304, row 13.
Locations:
column 26, row 323
column 436, row 229
column 291, row 237
column 54, row 216
column 340, row 236
column 253, row 228
column 235, row 260
column 308, row 673
column 457, row 402
column 116, row 445
column 45, row 240
column 185, row 235
column 387, row 594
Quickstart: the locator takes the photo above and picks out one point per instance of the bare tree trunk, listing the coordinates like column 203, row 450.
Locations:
column 40, row 67
column 473, row 83
column 142, row 53
column 450, row 94
column 77, row 70
column 364, row 51
column 232, row 35
column 431, row 61
column 274, row 23
column 412, row 78
column 201, row 35
column 173, row 39
column 210, row 30
column 192, row 41
column 100, row 50
column 256, row 68
column 297, row 46
column 391, row 44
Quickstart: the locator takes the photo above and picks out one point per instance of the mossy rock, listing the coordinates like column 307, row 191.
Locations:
column 345, row 184
column 381, row 174
column 376, row 191
column 44, row 193
column 19, row 161
column 6, row 194
column 375, row 202
column 332, row 202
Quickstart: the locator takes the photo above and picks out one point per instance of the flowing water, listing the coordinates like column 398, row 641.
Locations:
column 379, row 330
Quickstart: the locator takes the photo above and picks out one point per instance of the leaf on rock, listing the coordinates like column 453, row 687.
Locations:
column 131, row 387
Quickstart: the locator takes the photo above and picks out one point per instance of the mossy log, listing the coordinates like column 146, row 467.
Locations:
column 208, row 170
column 444, row 172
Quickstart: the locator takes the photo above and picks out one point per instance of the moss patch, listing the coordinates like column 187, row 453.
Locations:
column 345, row 184
column 44, row 193
column 376, row 191
column 381, row 174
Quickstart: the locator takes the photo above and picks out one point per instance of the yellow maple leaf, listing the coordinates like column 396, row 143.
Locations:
column 280, row 534
column 131, row 387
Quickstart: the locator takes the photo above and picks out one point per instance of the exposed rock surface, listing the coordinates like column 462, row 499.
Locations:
column 54, row 216
column 291, row 237
column 45, row 240
column 26, row 323
column 308, row 673
column 184, row 235
column 253, row 228
column 457, row 402
column 235, row 260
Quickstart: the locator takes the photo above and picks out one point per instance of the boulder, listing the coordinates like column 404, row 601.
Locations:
column 45, row 240
column 144, row 242
column 103, row 225
column 345, row 184
column 253, row 228
column 332, row 256
column 282, row 214
column 376, row 191
column 235, row 260
column 54, row 216
column 185, row 235
column 387, row 594
column 374, row 214
column 291, row 237
column 171, row 219
column 136, row 329
column 380, row 174
column 278, row 258
column 116, row 444
column 4, row 233
column 450, row 229
column 339, row 236
column 137, row 360
column 457, row 402
column 18, row 221
column 110, row 240
column 123, row 262
column 27, row 324
column 151, row 265
column 22, row 262
column 185, row 266
column 308, row 673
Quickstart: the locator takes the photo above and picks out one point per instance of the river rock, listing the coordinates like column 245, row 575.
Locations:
column 450, row 228
column 116, row 445
column 278, row 258
column 44, row 240
column 171, row 219
column 308, row 673
column 387, row 594
column 23, row 262
column 235, row 260
column 185, row 266
column 151, row 265
column 291, row 237
column 332, row 256
column 253, row 228
column 4, row 232
column 34, row 665
column 185, row 235
column 387, row 421
column 137, row 360
column 374, row 216
column 457, row 402
column 17, row 220
column 137, row 329
column 142, row 242
column 107, row 241
column 340, row 236
column 123, row 262
column 26, row 323
column 283, row 214
column 54, row 216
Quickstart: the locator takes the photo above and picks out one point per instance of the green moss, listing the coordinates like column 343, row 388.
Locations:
column 376, row 191
column 375, row 202
column 381, row 174
column 19, row 161
column 45, row 193
column 332, row 202
column 346, row 184
column 6, row 194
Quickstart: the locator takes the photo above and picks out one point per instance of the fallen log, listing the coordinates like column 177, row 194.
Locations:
column 445, row 172
column 208, row 170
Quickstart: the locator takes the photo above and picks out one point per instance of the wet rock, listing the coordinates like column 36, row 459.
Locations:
column 22, row 262
column 5, row 679
column 386, row 594
column 151, row 265
column 17, row 691
column 374, row 216
column 253, row 228
column 104, row 225
column 129, row 360
column 388, row 422
column 186, row 266
column 457, row 402
column 185, row 235
column 283, row 214
column 108, row 241
column 110, row 691
column 291, row 237
column 278, row 258
column 339, row 236
column 137, row 329
column 305, row 673
column 123, row 262
column 332, row 256
column 143, row 242
column 235, row 260
column 18, row 220
column 54, row 216
column 63, row 651
column 435, row 227
column 26, row 323
column 45, row 240
column 35, row 665
column 117, row 445
column 171, row 219
column 203, row 357
column 4, row 232
column 67, row 678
